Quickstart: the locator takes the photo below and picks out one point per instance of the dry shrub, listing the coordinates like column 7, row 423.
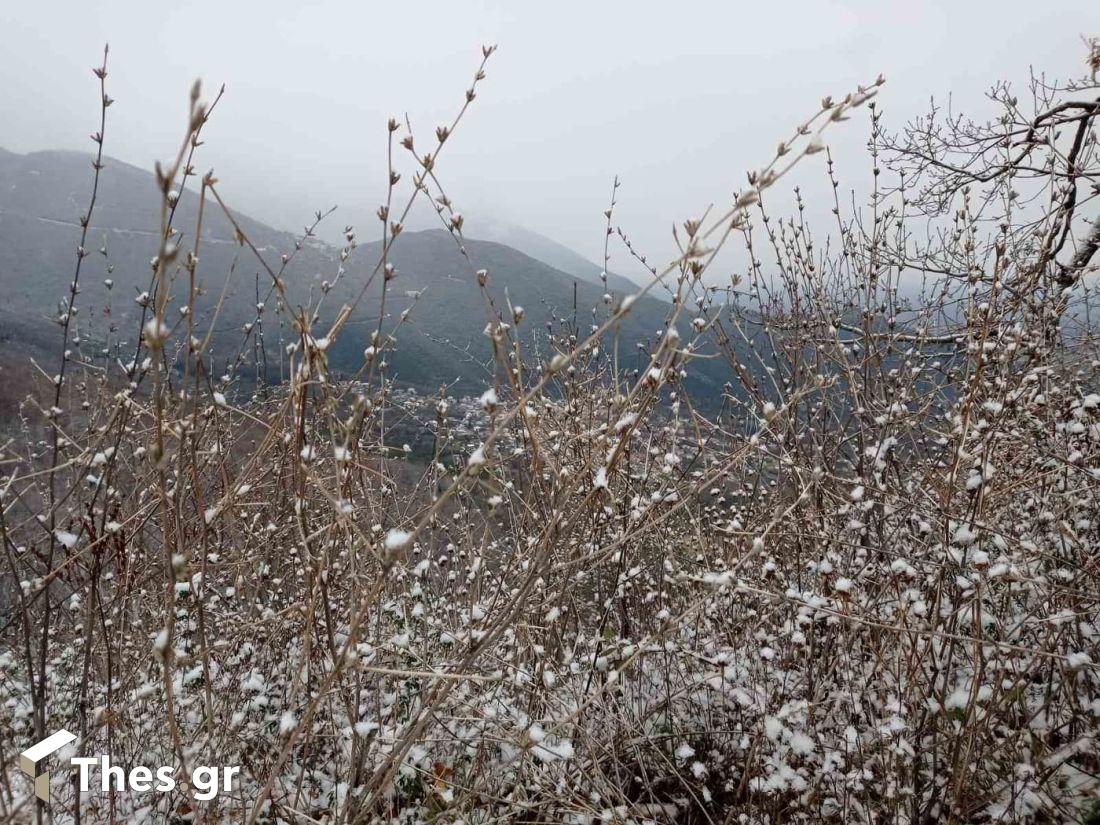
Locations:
column 865, row 591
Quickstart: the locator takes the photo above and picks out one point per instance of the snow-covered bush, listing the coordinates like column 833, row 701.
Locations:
column 864, row 589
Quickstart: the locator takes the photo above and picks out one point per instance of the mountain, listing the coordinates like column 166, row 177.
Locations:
column 548, row 251
column 42, row 195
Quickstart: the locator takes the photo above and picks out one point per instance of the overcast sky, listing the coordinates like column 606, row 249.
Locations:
column 679, row 99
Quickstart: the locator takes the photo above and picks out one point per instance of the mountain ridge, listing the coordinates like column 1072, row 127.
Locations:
column 42, row 194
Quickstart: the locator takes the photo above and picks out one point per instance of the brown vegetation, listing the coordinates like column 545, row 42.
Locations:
column 867, row 591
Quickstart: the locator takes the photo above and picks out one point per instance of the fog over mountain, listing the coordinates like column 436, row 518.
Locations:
column 679, row 103
column 41, row 197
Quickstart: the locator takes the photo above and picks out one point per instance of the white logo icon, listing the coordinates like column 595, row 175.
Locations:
column 32, row 756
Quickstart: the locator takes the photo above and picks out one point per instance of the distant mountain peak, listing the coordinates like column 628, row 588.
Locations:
column 440, row 341
column 547, row 250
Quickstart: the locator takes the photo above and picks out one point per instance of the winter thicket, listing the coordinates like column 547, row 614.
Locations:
column 865, row 589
